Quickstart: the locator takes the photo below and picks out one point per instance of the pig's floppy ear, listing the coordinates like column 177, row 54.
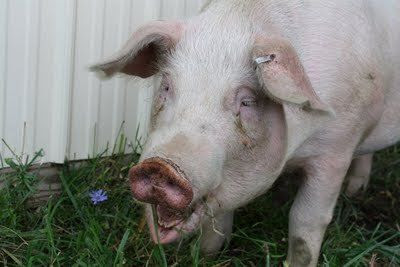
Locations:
column 143, row 52
column 282, row 75
column 285, row 81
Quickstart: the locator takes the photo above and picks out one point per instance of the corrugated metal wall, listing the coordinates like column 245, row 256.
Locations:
column 48, row 99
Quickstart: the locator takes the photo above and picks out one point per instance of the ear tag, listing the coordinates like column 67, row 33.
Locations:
column 264, row 59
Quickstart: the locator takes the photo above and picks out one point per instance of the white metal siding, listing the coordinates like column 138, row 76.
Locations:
column 48, row 99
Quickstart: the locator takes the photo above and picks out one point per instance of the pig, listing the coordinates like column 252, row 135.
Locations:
column 251, row 88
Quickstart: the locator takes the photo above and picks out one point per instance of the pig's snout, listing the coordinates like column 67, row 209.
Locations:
column 160, row 181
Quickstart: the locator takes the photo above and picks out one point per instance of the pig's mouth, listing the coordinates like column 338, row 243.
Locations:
column 171, row 224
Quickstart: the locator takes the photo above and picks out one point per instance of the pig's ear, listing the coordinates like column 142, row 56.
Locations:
column 143, row 52
column 282, row 75
column 284, row 80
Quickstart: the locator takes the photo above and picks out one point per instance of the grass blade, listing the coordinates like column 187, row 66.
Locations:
column 369, row 249
column 159, row 246
column 72, row 198
column 120, row 250
column 17, row 261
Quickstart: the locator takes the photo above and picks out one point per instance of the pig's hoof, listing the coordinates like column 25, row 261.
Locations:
column 301, row 253
column 211, row 255
column 211, row 247
column 356, row 184
column 211, row 251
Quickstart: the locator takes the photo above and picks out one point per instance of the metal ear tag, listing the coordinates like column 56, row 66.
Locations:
column 264, row 59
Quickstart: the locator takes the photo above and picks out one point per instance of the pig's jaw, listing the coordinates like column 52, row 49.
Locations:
column 171, row 230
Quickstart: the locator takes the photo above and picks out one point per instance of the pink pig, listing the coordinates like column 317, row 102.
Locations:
column 252, row 87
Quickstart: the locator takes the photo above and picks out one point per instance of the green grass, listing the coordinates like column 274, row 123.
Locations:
column 70, row 231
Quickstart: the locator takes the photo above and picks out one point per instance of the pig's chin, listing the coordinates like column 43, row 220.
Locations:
column 172, row 225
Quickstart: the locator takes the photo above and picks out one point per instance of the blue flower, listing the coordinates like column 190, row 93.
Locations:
column 98, row 196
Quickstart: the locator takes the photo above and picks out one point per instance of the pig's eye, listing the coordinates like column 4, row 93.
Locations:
column 245, row 98
column 165, row 84
column 165, row 87
column 248, row 102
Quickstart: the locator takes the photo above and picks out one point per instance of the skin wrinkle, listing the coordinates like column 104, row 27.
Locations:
column 245, row 139
column 157, row 110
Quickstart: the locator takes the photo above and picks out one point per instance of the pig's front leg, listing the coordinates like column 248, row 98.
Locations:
column 215, row 231
column 313, row 207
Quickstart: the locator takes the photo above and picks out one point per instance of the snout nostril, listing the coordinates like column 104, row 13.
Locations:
column 141, row 185
column 145, row 179
column 174, row 188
